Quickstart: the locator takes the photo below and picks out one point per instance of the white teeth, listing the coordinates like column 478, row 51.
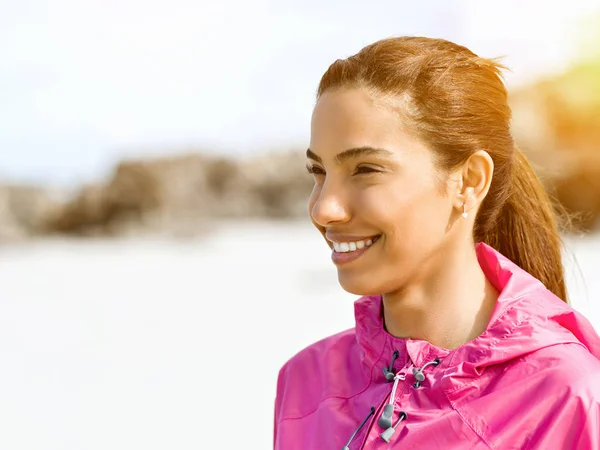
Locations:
column 345, row 247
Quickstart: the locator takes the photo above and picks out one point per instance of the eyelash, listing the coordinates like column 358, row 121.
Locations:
column 314, row 170
column 366, row 170
column 360, row 170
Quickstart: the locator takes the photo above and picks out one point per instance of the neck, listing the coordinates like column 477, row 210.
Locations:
column 449, row 306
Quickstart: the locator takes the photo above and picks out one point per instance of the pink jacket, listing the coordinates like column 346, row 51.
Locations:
column 530, row 381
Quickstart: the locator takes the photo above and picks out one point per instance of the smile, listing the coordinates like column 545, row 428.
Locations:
column 345, row 247
column 345, row 252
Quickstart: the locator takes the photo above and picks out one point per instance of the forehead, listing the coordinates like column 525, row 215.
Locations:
column 350, row 107
column 353, row 117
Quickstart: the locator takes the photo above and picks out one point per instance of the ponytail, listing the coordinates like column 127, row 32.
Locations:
column 526, row 229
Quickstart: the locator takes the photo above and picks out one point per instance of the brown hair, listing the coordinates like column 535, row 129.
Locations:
column 457, row 103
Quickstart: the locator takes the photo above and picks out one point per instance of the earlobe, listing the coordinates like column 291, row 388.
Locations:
column 469, row 201
column 465, row 195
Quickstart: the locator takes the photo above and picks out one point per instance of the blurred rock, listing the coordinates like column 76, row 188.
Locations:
column 24, row 211
column 131, row 200
column 278, row 185
column 181, row 195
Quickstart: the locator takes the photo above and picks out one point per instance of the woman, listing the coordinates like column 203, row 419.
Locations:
column 463, row 336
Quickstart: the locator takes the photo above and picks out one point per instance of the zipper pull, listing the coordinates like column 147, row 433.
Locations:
column 385, row 420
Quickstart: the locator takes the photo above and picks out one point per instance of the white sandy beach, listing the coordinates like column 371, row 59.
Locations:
column 158, row 344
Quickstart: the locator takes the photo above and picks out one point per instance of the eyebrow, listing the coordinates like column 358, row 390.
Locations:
column 351, row 154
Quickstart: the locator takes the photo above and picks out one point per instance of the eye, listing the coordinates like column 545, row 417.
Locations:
column 366, row 170
column 314, row 169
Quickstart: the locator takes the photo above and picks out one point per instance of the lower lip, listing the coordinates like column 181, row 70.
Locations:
column 340, row 258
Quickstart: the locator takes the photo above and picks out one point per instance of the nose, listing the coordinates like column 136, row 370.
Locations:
column 329, row 205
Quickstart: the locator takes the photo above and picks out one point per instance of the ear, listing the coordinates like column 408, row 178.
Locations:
column 476, row 177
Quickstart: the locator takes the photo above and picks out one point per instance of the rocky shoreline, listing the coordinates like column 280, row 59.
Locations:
column 180, row 195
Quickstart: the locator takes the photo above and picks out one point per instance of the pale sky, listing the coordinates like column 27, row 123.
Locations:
column 83, row 84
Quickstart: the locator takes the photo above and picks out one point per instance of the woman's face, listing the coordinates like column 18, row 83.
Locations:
column 378, row 199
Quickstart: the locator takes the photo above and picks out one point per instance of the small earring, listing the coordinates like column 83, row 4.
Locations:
column 465, row 214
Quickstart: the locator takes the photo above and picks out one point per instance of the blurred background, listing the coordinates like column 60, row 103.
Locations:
column 156, row 264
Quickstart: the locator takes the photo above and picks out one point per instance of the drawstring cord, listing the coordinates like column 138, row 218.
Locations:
column 389, row 371
column 362, row 424
column 387, row 434
column 385, row 420
column 418, row 373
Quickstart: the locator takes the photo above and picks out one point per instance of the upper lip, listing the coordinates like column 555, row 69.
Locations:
column 334, row 237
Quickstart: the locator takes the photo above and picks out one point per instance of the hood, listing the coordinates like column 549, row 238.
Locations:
column 527, row 318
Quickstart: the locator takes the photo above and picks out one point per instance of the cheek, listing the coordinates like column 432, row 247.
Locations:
column 395, row 202
column 412, row 216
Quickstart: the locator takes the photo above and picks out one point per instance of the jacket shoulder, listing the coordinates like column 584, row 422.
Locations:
column 313, row 374
column 568, row 368
column 319, row 357
column 335, row 343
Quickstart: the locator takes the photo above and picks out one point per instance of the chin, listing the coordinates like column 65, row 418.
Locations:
column 369, row 284
column 355, row 286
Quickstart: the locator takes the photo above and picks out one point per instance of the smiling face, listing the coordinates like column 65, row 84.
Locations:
column 378, row 198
